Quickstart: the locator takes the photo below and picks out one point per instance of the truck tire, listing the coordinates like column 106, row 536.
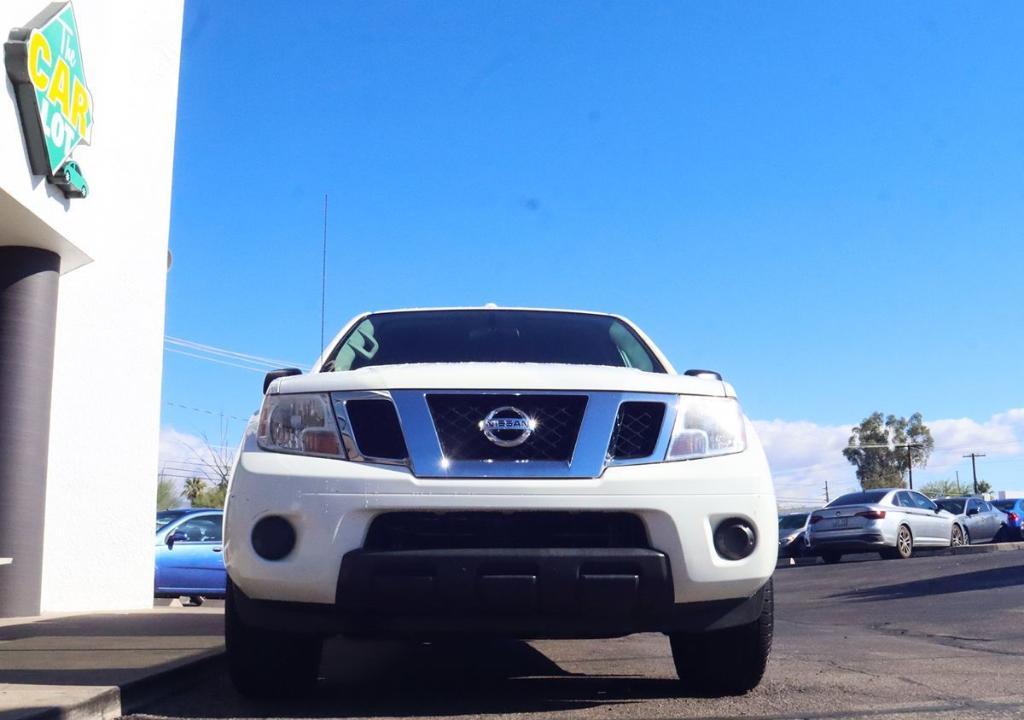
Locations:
column 267, row 663
column 726, row 662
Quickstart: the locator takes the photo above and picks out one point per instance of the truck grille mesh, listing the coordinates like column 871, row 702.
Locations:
column 637, row 427
column 520, row 529
column 376, row 429
column 458, row 418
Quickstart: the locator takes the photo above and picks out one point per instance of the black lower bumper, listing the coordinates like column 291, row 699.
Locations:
column 557, row 593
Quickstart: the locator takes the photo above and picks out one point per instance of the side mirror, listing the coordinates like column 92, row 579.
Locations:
column 275, row 374
column 972, row 511
column 703, row 373
column 175, row 537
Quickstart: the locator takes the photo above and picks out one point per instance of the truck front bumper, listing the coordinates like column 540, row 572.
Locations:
column 558, row 593
column 332, row 503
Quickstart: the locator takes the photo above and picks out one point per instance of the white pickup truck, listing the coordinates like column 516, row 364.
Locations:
column 492, row 471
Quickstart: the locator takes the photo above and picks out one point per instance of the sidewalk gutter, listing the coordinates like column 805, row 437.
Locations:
column 87, row 702
column 88, row 667
column 784, row 563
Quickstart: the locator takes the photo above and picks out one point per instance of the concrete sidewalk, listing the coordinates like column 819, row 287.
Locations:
column 103, row 666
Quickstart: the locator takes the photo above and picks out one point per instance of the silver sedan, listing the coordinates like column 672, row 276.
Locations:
column 891, row 522
column 980, row 521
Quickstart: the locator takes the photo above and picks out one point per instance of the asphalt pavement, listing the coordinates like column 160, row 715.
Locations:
column 930, row 637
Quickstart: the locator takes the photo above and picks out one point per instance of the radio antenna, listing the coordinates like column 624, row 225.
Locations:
column 323, row 281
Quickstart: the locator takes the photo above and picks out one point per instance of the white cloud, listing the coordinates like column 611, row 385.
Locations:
column 804, row 455
column 1000, row 435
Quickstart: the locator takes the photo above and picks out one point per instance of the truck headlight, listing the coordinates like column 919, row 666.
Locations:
column 302, row 424
column 706, row 426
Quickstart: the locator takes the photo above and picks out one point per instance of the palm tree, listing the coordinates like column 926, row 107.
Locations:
column 193, row 488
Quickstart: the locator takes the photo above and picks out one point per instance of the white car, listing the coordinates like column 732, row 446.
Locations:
column 524, row 473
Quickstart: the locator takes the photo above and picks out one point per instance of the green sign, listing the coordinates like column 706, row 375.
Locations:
column 44, row 62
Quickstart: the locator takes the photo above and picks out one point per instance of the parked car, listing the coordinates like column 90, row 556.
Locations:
column 1014, row 510
column 979, row 521
column 891, row 522
column 791, row 535
column 189, row 554
column 512, row 472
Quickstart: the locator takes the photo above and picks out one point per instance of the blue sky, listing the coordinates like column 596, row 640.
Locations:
column 822, row 200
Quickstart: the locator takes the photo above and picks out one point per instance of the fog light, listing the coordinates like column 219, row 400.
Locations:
column 273, row 538
column 735, row 539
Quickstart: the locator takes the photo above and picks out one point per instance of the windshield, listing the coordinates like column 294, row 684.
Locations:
column 1004, row 504
column 451, row 336
column 167, row 516
column 792, row 522
column 859, row 498
column 954, row 506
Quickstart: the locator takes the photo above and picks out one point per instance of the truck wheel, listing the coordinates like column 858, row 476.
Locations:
column 266, row 663
column 725, row 662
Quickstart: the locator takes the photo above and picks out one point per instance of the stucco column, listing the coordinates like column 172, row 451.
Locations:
column 28, row 315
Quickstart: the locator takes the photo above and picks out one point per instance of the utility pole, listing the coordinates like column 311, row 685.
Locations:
column 958, row 482
column 974, row 468
column 910, row 466
column 826, row 492
column 910, row 456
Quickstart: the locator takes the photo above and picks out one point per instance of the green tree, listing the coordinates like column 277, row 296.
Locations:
column 942, row 488
column 194, row 487
column 166, row 494
column 872, row 449
column 212, row 497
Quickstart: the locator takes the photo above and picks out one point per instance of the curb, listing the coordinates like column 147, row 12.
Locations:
column 108, row 702
column 982, row 549
column 145, row 690
column 784, row 563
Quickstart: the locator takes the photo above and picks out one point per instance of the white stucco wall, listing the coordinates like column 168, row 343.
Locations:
column 104, row 433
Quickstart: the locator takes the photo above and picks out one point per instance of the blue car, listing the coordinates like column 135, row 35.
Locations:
column 1014, row 510
column 189, row 554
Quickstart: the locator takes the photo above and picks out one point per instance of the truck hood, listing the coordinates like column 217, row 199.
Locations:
column 502, row 376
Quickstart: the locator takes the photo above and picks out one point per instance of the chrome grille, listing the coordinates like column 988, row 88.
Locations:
column 377, row 431
column 637, row 427
column 458, row 418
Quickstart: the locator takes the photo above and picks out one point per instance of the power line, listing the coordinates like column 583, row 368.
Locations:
column 223, row 355
column 215, row 350
column 205, row 411
column 180, row 477
column 214, row 360
column 189, row 466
